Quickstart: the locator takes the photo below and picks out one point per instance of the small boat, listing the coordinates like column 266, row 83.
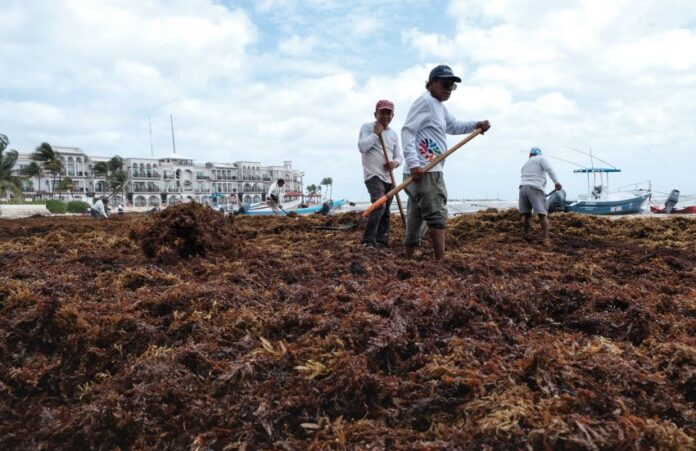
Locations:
column 290, row 205
column 670, row 203
column 685, row 210
column 600, row 201
column 325, row 208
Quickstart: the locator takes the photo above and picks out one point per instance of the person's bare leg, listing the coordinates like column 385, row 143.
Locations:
column 527, row 219
column 544, row 227
column 438, row 238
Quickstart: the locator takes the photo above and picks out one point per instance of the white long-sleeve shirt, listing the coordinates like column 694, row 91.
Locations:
column 372, row 154
column 534, row 172
column 276, row 190
column 98, row 206
column 424, row 134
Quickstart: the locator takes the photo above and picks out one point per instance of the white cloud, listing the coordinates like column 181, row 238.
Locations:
column 298, row 46
column 284, row 79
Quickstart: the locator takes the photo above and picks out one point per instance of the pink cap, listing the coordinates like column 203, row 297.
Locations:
column 384, row 105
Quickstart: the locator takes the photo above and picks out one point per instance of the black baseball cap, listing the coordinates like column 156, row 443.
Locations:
column 443, row 71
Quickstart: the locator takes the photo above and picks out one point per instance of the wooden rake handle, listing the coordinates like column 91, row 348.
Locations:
column 379, row 202
column 393, row 179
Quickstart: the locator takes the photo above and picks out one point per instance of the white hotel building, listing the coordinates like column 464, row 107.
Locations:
column 157, row 182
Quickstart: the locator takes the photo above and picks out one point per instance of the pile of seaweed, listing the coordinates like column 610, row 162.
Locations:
column 305, row 339
column 186, row 230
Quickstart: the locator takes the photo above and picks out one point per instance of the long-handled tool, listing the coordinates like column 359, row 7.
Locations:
column 427, row 167
column 393, row 179
column 292, row 214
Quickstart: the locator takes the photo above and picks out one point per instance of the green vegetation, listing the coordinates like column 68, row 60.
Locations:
column 55, row 206
column 33, row 170
column 49, row 160
column 115, row 177
column 9, row 183
column 328, row 182
column 76, row 206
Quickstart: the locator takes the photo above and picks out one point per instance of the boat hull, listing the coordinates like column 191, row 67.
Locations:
column 610, row 207
column 685, row 210
column 300, row 211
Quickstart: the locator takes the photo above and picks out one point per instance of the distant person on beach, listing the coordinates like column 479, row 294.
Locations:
column 532, row 186
column 274, row 196
column 424, row 137
column 98, row 209
column 376, row 169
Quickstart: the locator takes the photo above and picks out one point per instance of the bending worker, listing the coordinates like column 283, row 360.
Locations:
column 532, row 196
column 274, row 196
column 98, row 210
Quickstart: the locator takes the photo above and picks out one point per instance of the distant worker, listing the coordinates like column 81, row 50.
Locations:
column 424, row 137
column 376, row 170
column 98, row 210
column 275, row 196
column 532, row 196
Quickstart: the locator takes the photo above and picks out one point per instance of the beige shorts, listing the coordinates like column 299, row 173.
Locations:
column 532, row 198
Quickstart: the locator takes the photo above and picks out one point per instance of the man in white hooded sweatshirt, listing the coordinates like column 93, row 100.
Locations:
column 424, row 138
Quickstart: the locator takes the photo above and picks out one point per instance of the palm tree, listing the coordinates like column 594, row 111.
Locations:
column 312, row 191
column 50, row 160
column 115, row 164
column 66, row 184
column 101, row 169
column 32, row 170
column 9, row 183
column 118, row 180
column 328, row 182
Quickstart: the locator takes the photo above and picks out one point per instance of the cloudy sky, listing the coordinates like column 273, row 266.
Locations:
column 274, row 80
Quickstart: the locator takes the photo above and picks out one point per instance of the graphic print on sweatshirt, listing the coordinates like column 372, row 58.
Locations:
column 429, row 149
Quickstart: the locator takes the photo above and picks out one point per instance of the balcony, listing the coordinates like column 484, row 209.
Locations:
column 144, row 175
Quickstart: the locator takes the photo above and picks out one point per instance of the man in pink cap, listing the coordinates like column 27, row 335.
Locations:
column 376, row 169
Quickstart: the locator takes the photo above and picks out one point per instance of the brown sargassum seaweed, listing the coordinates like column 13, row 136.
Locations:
column 275, row 335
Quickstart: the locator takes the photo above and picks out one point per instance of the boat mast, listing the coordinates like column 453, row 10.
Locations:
column 171, row 120
column 152, row 151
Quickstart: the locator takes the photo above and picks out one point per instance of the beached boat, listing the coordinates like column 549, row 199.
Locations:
column 601, row 201
column 289, row 205
column 330, row 206
column 685, row 210
column 671, row 202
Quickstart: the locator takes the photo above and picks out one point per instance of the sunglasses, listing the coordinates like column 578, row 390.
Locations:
column 449, row 84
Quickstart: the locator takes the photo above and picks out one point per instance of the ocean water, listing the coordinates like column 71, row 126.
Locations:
column 462, row 206
column 454, row 207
